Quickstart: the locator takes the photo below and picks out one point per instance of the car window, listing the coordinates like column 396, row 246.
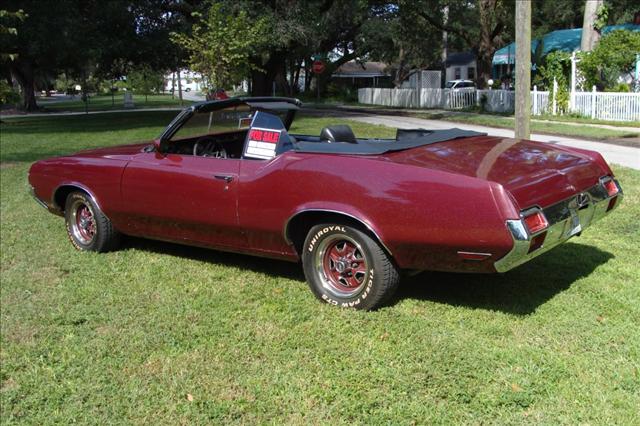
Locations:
column 449, row 84
column 215, row 122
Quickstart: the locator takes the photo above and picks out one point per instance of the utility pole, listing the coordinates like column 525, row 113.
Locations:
column 523, row 69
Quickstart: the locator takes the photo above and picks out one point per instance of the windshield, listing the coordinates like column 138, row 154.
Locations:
column 449, row 84
column 215, row 122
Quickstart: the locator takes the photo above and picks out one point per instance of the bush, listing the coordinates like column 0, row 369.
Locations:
column 8, row 95
column 613, row 56
column 620, row 87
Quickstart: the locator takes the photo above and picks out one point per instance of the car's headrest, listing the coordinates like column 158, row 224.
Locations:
column 338, row 133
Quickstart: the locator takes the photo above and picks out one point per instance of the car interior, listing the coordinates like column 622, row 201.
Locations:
column 222, row 133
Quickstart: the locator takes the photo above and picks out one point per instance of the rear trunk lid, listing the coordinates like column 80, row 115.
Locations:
column 535, row 173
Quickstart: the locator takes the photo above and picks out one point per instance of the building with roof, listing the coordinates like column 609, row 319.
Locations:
column 461, row 66
column 563, row 40
column 362, row 74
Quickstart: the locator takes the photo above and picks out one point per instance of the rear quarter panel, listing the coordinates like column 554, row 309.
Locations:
column 423, row 216
column 98, row 176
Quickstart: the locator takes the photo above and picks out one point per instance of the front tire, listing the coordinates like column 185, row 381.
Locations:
column 88, row 228
column 347, row 268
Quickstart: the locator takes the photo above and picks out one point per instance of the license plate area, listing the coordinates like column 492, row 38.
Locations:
column 574, row 227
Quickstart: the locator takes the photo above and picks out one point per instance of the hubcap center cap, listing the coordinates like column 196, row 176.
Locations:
column 341, row 266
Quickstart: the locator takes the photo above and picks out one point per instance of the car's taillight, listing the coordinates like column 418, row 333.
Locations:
column 611, row 187
column 536, row 222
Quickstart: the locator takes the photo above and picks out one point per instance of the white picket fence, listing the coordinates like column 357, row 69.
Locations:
column 418, row 98
column 598, row 105
column 608, row 106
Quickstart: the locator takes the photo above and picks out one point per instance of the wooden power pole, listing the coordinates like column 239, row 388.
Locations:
column 523, row 69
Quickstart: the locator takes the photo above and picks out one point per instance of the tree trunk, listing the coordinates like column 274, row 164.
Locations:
column 262, row 81
column 259, row 84
column 296, row 77
column 590, row 35
column 486, row 45
column 179, row 86
column 307, row 75
column 24, row 75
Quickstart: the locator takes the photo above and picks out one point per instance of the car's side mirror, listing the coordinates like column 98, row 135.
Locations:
column 159, row 145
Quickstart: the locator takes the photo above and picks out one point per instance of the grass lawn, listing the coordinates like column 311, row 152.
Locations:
column 157, row 333
column 105, row 102
column 586, row 120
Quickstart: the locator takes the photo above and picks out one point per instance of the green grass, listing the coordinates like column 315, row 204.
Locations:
column 106, row 103
column 157, row 333
column 586, row 120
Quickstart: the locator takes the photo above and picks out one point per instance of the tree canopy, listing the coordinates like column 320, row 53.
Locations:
column 265, row 41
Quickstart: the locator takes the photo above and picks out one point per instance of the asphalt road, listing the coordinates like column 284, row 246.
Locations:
column 616, row 154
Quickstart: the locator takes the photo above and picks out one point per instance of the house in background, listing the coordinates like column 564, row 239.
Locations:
column 362, row 74
column 461, row 66
column 189, row 80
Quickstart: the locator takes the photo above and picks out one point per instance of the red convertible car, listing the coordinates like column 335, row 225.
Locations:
column 228, row 175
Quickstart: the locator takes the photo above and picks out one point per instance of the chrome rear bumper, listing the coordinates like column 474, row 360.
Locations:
column 566, row 219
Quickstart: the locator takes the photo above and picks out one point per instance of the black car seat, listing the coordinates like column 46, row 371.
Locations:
column 338, row 133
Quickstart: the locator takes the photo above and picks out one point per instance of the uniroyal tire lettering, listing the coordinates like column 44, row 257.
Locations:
column 323, row 231
column 329, row 300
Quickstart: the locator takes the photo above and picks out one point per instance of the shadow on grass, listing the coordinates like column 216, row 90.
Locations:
column 272, row 267
column 105, row 122
column 520, row 291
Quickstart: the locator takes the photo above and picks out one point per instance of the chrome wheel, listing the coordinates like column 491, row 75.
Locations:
column 83, row 223
column 341, row 265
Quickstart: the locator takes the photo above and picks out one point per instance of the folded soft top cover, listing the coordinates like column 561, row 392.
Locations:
column 406, row 139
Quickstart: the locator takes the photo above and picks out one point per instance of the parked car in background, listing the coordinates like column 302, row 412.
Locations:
column 217, row 95
column 228, row 175
column 460, row 84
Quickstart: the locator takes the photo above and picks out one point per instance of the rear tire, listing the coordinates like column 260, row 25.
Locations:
column 88, row 228
column 347, row 268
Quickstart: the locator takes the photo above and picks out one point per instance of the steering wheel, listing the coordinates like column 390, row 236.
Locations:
column 209, row 147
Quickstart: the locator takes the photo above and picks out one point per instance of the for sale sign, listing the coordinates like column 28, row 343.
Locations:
column 266, row 137
column 262, row 143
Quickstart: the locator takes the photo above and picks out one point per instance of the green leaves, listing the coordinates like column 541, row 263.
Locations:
column 612, row 57
column 221, row 44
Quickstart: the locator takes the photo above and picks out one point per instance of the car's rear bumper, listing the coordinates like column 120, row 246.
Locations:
column 566, row 219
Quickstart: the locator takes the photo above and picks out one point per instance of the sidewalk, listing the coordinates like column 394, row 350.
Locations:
column 616, row 154
column 450, row 114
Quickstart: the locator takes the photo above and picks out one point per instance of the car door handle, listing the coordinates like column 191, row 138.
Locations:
column 226, row 178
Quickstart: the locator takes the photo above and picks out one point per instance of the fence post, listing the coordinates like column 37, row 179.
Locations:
column 555, row 95
column 572, row 96
column 535, row 100
column 593, row 102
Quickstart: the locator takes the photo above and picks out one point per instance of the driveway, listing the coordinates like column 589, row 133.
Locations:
column 616, row 154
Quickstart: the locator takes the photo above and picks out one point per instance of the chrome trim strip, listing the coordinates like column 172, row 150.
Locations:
column 518, row 230
column 481, row 256
column 79, row 186
column 32, row 191
column 286, row 225
column 566, row 219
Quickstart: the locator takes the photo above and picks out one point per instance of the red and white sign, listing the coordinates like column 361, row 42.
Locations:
column 318, row 67
column 262, row 143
